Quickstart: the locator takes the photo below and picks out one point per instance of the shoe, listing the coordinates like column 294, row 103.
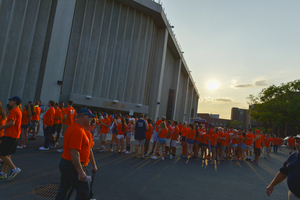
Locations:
column 3, row 175
column 111, row 150
column 124, row 151
column 43, row 149
column 171, row 156
column 145, row 154
column 52, row 146
column 254, row 162
column 158, row 154
column 154, row 157
column 151, row 152
column 19, row 147
column 60, row 150
column 162, row 158
column 127, row 152
column 56, row 143
column 101, row 150
column 32, row 138
column 183, row 156
column 14, row 173
column 117, row 152
column 208, row 157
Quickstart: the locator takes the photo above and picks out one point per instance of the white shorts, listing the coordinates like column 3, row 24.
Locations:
column 155, row 136
column 168, row 142
column 173, row 143
column 139, row 142
column 120, row 137
column 103, row 137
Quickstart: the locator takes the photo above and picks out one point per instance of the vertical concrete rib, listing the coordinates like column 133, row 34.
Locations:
column 142, row 81
column 136, row 57
column 122, row 50
column 95, row 82
column 113, row 57
column 177, row 89
column 78, row 52
column 191, row 107
column 88, row 49
column 129, row 55
column 162, row 68
column 186, row 99
column 106, row 46
column 15, row 78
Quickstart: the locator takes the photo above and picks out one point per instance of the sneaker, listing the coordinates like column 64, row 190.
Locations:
column 60, row 150
column 127, row 152
column 52, row 146
column 171, row 156
column 32, row 138
column 254, row 162
column 111, row 150
column 146, row 154
column 154, row 157
column 101, row 150
column 43, row 149
column 3, row 175
column 14, row 173
column 19, row 147
column 124, row 151
column 162, row 158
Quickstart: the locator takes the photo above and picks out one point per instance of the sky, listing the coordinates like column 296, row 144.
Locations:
column 235, row 48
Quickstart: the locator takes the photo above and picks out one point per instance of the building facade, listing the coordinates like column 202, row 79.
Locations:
column 213, row 119
column 117, row 55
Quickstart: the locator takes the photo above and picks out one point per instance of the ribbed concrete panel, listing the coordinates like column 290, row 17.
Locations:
column 189, row 102
column 181, row 97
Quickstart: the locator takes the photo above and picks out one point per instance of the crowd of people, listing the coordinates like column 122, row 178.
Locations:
column 197, row 141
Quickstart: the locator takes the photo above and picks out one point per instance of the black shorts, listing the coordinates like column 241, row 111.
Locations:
column 257, row 151
column 183, row 139
column 33, row 125
column 56, row 128
column 8, row 145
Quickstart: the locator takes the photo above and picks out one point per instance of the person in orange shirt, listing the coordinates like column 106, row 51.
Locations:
column 234, row 145
column 77, row 151
column 257, row 146
column 275, row 144
column 205, row 143
column 148, row 136
column 183, row 139
column 190, row 139
column 249, row 144
column 291, row 144
column 162, row 134
column 280, row 143
column 121, row 128
column 196, row 141
column 224, row 142
column 213, row 144
column 116, row 122
column 174, row 139
column 2, row 122
column 155, row 136
column 169, row 136
column 26, row 114
column 48, row 122
column 9, row 142
column 35, row 120
column 129, row 130
column 56, row 126
column 267, row 141
column 104, row 128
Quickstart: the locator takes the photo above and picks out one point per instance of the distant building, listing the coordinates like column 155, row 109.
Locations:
column 241, row 115
column 213, row 119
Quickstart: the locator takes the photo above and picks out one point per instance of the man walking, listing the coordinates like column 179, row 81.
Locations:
column 48, row 122
column 141, row 126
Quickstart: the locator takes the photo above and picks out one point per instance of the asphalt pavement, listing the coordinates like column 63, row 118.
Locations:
column 125, row 177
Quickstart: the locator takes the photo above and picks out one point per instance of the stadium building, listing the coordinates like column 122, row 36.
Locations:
column 111, row 55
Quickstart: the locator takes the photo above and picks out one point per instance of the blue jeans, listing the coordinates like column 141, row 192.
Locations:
column 47, row 134
column 69, row 181
column 275, row 148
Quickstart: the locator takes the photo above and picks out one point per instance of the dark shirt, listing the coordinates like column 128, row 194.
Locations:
column 291, row 168
column 140, row 129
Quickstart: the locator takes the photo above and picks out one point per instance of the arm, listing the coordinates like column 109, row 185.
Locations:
column 93, row 162
column 147, row 126
column 278, row 179
column 76, row 162
column 159, row 130
column 9, row 124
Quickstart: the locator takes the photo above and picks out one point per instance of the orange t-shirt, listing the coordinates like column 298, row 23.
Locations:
column 235, row 139
column 180, row 127
column 76, row 138
column 204, row 137
column 71, row 113
column 183, row 132
column 213, row 139
column 91, row 142
column 258, row 141
column 291, row 141
column 163, row 133
column 170, row 130
column 281, row 141
column 49, row 117
column 220, row 134
column 158, row 123
column 58, row 114
column 36, row 117
column 190, row 134
column 249, row 142
column 176, row 133
column 103, row 128
column 25, row 118
column 119, row 128
column 2, row 122
column 149, row 132
column 275, row 141
column 15, row 130
column 225, row 142
column 267, row 142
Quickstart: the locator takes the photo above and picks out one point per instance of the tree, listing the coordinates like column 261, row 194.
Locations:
column 277, row 105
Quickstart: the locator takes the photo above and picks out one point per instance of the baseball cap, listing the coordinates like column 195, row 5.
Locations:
column 163, row 117
column 15, row 98
column 104, row 114
column 297, row 136
column 85, row 111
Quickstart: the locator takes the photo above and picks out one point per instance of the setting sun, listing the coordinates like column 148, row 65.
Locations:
column 212, row 85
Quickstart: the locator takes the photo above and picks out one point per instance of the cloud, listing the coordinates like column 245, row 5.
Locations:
column 218, row 100
column 253, row 85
